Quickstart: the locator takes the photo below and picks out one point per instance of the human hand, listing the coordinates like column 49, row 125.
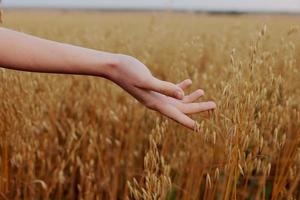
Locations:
column 129, row 73
column 164, row 97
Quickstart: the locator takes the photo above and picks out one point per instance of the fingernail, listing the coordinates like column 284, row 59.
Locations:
column 213, row 104
column 179, row 94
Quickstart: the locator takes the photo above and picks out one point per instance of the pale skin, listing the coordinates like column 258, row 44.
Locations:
column 24, row 52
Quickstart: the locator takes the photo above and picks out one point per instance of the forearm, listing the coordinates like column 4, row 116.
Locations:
column 28, row 53
column 24, row 52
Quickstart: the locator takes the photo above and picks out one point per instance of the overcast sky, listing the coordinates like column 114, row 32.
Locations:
column 240, row 5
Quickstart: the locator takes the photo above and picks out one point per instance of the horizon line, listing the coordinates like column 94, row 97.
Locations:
column 153, row 8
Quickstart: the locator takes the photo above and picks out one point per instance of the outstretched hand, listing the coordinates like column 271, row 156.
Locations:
column 164, row 97
column 126, row 71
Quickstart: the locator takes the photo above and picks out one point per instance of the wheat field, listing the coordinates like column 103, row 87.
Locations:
column 78, row 137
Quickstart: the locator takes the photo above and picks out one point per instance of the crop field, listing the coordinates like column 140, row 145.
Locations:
column 79, row 137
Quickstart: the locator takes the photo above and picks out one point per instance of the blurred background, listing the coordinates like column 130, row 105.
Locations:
column 77, row 137
column 290, row 6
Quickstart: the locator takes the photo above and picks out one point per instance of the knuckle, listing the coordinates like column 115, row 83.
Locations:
column 151, row 105
column 146, row 82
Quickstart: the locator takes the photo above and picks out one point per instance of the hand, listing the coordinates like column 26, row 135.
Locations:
column 128, row 71
column 161, row 96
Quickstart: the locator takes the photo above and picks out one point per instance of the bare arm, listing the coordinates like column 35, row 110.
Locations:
column 25, row 52
column 28, row 53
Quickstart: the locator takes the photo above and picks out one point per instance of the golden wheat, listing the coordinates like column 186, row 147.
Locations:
column 75, row 137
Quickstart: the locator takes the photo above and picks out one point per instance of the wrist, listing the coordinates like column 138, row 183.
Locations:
column 105, row 64
column 113, row 64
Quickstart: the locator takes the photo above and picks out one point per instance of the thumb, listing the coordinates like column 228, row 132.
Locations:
column 166, row 88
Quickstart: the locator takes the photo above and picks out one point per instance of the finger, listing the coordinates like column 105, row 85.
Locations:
column 193, row 96
column 185, row 84
column 166, row 88
column 174, row 114
column 167, row 110
column 192, row 108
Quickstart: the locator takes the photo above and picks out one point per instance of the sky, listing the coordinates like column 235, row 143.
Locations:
column 232, row 5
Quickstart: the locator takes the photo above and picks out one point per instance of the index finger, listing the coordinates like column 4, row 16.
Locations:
column 176, row 115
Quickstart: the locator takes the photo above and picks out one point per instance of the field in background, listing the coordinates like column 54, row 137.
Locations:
column 76, row 137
